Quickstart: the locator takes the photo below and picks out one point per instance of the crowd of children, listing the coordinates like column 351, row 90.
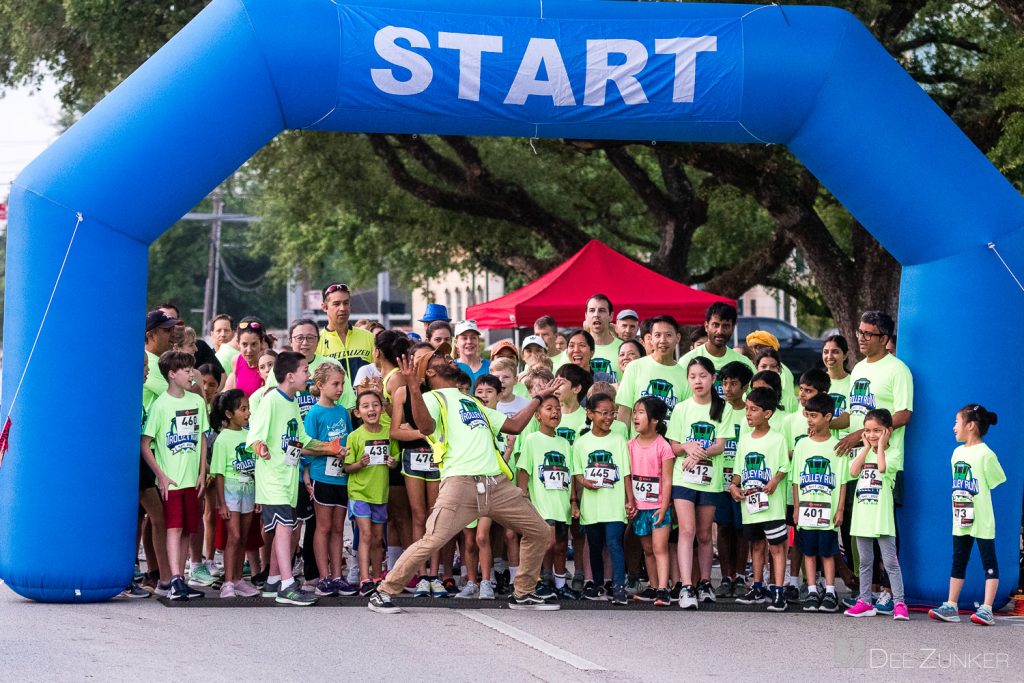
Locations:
column 306, row 458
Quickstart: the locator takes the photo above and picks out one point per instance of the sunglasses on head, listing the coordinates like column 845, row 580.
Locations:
column 246, row 324
column 336, row 287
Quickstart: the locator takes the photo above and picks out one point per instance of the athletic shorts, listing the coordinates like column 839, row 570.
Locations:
column 789, row 516
column 395, row 477
column 818, row 542
column 304, row 508
column 376, row 512
column 147, row 479
column 273, row 515
column 418, row 454
column 643, row 523
column 181, row 510
column 561, row 529
column 330, row 495
column 775, row 531
column 728, row 514
column 240, row 496
column 696, row 497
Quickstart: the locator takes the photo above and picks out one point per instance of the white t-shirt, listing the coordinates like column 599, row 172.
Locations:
column 510, row 408
column 364, row 373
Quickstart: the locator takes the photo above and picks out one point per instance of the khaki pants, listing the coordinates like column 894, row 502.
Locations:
column 458, row 504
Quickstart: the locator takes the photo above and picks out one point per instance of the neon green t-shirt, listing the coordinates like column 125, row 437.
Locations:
column 976, row 471
column 232, row 459
column 839, row 391
column 546, row 461
column 692, row 421
column 369, row 483
column 155, row 383
column 226, row 354
column 307, row 400
column 794, row 429
column 819, row 474
column 758, row 460
column 276, row 422
column 606, row 360
column 647, row 377
column 872, row 498
column 176, row 426
column 352, row 353
column 886, row 383
column 738, row 427
column 719, row 363
column 472, row 429
column 789, row 399
column 602, row 459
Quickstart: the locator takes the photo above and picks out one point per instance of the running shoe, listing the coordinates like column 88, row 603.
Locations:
column 163, row 590
column 578, row 582
column 139, row 575
column 298, row 567
column 676, row 591
column 632, row 585
column 566, row 593
column 179, row 591
column 422, row 588
column 828, row 603
column 271, row 589
column 982, row 617
column 470, row 591
column 450, row 586
column 779, row 602
column 437, row 589
column 193, row 593
column 725, row 588
column 261, row 578
column 901, row 613
column 688, row 598
column 343, row 587
column 619, row 595
column 486, row 590
column 134, row 592
column 381, row 603
column 502, row 581
column 662, row 598
column 592, row 592
column 293, row 595
column 246, row 570
column 532, row 601
column 812, row 603
column 325, row 588
column 201, row 576
column 947, row 611
column 227, row 590
column 754, row 596
column 647, row 595
column 705, row 592
column 216, row 570
column 244, row 589
column 848, row 602
column 367, row 587
column 791, row 593
column 149, row 582
column 861, row 609
column 884, row 605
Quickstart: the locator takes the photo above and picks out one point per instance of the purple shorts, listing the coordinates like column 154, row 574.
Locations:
column 378, row 513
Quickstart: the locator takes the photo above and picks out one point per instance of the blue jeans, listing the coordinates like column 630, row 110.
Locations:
column 610, row 534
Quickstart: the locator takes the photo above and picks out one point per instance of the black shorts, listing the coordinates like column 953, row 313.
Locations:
column 147, row 479
column 304, row 508
column 561, row 529
column 789, row 516
column 331, row 495
column 818, row 542
column 273, row 515
column 775, row 531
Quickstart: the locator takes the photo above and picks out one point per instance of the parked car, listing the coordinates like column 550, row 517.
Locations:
column 799, row 350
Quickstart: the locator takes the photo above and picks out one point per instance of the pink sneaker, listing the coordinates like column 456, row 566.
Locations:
column 227, row 590
column 900, row 612
column 244, row 589
column 861, row 609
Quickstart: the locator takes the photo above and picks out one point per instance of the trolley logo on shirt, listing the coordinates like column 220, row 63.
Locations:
column 755, row 474
column 599, row 459
column 306, row 401
column 470, row 414
column 601, row 365
column 566, row 433
column 553, row 472
column 244, row 463
column 184, row 432
column 861, row 398
column 290, row 435
column 964, row 482
column 663, row 389
column 840, row 403
column 702, row 433
column 817, row 476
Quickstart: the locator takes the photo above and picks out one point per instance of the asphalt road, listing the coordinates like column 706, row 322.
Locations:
column 145, row 640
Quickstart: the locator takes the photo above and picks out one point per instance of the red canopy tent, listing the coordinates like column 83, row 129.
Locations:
column 596, row 267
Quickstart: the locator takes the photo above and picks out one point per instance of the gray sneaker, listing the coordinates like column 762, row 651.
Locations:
column 947, row 611
column 270, row 590
column 469, row 591
column 294, row 595
column 486, row 590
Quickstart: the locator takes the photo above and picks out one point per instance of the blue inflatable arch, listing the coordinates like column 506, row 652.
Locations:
column 813, row 79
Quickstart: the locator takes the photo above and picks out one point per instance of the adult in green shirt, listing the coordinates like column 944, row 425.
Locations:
column 719, row 323
column 475, row 481
column 598, row 321
column 546, row 328
column 304, row 335
column 158, row 340
column 655, row 375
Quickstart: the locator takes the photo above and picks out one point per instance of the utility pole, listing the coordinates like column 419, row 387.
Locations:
column 213, row 263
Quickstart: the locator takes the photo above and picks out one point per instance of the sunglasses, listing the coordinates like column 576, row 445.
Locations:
column 247, row 324
column 337, row 287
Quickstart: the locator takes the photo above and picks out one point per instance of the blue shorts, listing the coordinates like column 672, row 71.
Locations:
column 696, row 497
column 377, row 512
column 643, row 523
column 728, row 514
column 818, row 542
column 240, row 496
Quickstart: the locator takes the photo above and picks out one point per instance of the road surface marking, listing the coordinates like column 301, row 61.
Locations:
column 533, row 641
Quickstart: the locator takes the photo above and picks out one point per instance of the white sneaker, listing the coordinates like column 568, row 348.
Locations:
column 470, row 590
column 353, row 573
column 486, row 590
column 687, row 598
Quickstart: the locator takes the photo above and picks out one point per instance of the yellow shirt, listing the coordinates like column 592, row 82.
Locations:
column 352, row 352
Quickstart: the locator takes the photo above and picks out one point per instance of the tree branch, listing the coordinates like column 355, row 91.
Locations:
column 935, row 39
column 754, row 269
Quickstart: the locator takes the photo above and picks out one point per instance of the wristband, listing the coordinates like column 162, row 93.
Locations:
column 536, row 398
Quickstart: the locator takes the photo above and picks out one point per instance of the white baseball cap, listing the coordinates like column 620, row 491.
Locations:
column 535, row 339
column 464, row 326
column 627, row 313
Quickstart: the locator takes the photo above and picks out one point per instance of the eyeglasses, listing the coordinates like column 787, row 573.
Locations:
column 305, row 338
column 247, row 324
column 336, row 287
column 603, row 413
column 864, row 334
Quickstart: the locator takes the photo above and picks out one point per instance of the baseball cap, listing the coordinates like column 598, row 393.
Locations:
column 466, row 326
column 627, row 313
column 502, row 345
column 444, row 349
column 535, row 339
column 158, row 319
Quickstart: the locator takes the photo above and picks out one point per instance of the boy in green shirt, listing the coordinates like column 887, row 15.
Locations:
column 277, row 436
column 818, row 474
column 172, row 440
column 732, row 546
column 761, row 465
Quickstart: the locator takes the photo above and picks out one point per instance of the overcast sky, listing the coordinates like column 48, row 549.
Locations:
column 27, row 125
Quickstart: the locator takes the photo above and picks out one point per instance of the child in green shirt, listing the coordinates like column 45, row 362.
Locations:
column 370, row 455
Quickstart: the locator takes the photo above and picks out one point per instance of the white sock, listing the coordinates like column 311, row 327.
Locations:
column 812, row 588
column 559, row 580
column 512, row 571
column 499, row 564
column 273, row 579
column 793, row 581
column 287, row 582
column 394, row 552
column 830, row 589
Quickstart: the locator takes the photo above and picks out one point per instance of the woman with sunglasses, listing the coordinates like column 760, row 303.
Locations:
column 252, row 339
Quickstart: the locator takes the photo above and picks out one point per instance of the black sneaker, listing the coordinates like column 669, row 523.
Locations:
column 705, row 592
column 134, row 592
column 546, row 592
column 592, row 592
column 791, row 593
column 294, row 595
column 619, row 595
column 778, row 603
column 501, row 581
column 532, row 601
column 271, row 589
column 179, row 591
column 450, row 586
column 754, row 596
column 676, row 591
column 367, row 587
column 381, row 603
column 662, row 598
column 193, row 594
column 725, row 588
column 829, row 603
column 608, row 587
column 259, row 579
column 647, row 595
column 812, row 603
column 566, row 593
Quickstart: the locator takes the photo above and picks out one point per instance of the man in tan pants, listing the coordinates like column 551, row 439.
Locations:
column 472, row 482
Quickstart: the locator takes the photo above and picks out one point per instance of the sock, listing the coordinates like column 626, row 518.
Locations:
column 793, row 580
column 758, row 585
column 512, row 571
column 499, row 564
column 286, row 583
column 812, row 588
column 830, row 589
column 559, row 580
column 988, row 607
column 273, row 579
column 394, row 552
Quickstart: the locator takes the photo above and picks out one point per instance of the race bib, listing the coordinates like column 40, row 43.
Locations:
column 963, row 513
column 869, row 486
column 554, row 477
column 420, row 461
column 700, row 474
column 186, row 422
column 377, row 451
column 646, row 489
column 292, row 453
column 726, row 478
column 757, row 501
column 604, row 476
column 815, row 515
column 333, row 467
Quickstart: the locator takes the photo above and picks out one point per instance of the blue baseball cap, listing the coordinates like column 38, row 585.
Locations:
column 435, row 312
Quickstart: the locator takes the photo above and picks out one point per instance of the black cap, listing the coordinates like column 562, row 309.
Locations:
column 155, row 319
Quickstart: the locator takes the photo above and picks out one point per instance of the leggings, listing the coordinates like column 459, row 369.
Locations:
column 866, row 551
column 610, row 534
column 962, row 554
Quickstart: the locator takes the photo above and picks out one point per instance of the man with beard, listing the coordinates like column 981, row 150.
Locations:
column 719, row 323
